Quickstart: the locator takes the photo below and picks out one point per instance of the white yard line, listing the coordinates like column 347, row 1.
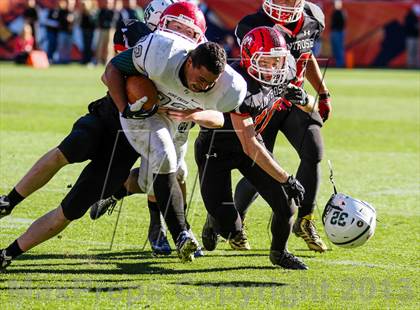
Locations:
column 362, row 264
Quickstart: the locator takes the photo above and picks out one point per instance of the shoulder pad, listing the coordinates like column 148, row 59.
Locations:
column 315, row 11
column 249, row 22
column 129, row 31
column 292, row 67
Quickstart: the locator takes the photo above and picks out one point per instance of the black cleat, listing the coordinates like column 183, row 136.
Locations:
column 100, row 207
column 4, row 260
column 4, row 206
column 208, row 235
column 286, row 260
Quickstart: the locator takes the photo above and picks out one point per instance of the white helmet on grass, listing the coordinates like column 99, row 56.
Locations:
column 348, row 222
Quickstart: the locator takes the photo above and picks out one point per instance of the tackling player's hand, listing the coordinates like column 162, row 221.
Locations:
column 294, row 189
column 296, row 95
column 136, row 111
column 324, row 105
column 180, row 115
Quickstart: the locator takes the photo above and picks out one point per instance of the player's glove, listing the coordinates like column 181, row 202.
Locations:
column 324, row 105
column 296, row 95
column 294, row 189
column 136, row 111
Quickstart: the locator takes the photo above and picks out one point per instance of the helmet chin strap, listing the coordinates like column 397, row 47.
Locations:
column 332, row 176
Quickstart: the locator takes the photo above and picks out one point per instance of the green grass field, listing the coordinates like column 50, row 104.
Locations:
column 373, row 140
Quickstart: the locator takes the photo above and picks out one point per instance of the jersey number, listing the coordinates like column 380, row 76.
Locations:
column 301, row 68
column 164, row 100
column 338, row 218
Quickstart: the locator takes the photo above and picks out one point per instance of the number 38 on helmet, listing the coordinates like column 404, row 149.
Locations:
column 348, row 222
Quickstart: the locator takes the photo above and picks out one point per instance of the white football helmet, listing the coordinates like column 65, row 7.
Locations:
column 348, row 222
column 154, row 10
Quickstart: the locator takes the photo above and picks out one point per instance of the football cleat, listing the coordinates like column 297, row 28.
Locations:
column 208, row 235
column 304, row 227
column 199, row 252
column 240, row 241
column 4, row 206
column 4, row 260
column 286, row 260
column 160, row 246
column 100, row 207
column 186, row 246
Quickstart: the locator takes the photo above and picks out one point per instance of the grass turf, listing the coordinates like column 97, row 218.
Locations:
column 373, row 139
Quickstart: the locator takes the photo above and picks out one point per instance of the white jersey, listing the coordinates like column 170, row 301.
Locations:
column 158, row 139
column 161, row 55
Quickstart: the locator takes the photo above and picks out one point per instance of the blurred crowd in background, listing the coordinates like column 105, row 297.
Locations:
column 82, row 30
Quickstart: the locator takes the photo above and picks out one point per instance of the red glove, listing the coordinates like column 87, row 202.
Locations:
column 324, row 105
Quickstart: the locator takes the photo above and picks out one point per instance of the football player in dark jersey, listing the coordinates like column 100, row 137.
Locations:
column 301, row 25
column 265, row 66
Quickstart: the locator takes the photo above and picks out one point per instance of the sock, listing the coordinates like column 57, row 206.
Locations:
column 13, row 250
column 122, row 192
column 169, row 198
column 186, row 221
column 155, row 225
column 14, row 198
column 304, row 211
column 245, row 195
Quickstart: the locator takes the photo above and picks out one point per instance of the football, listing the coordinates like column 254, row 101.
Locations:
column 138, row 86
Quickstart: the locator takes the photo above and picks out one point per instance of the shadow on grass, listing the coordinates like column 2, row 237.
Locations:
column 129, row 269
column 66, row 288
column 232, row 284
column 98, row 256
column 92, row 287
column 111, row 264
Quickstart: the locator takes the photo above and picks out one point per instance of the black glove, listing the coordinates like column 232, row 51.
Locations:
column 294, row 189
column 296, row 95
column 129, row 113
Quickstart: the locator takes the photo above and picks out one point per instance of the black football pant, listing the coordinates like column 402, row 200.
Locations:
column 97, row 137
column 215, row 167
column 302, row 130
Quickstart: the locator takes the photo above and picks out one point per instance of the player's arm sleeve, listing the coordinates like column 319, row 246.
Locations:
column 124, row 62
column 118, row 40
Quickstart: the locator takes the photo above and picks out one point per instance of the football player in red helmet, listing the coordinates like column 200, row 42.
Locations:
column 267, row 68
column 284, row 11
column 264, row 58
column 301, row 24
column 184, row 19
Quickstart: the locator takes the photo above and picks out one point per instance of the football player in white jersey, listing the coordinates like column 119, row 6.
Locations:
column 186, row 20
column 189, row 80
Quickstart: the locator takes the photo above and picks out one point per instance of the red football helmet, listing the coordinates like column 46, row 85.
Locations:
column 264, row 55
column 284, row 11
column 188, row 14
